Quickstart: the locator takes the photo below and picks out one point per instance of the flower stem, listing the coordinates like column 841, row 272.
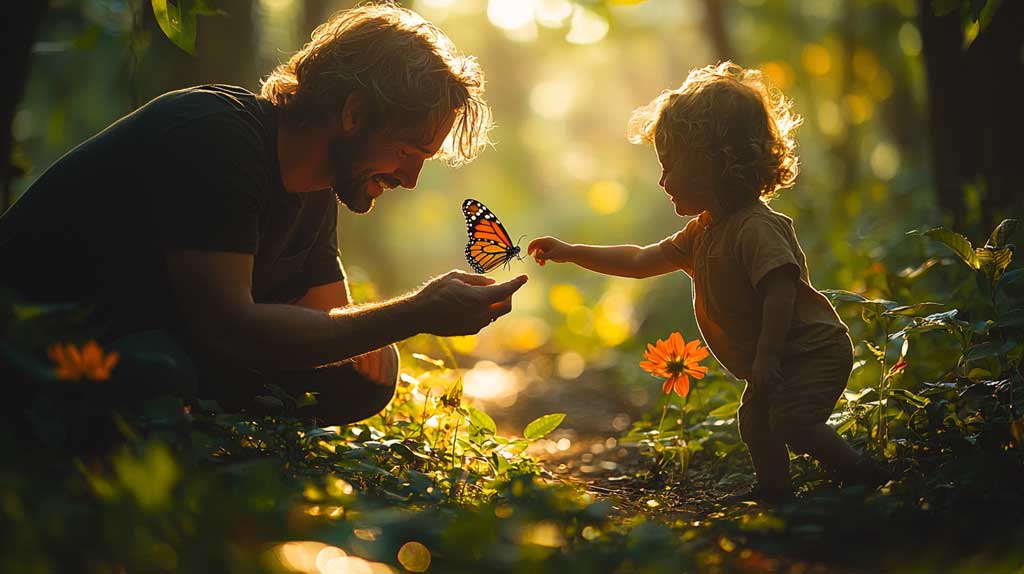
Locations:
column 664, row 410
column 684, row 454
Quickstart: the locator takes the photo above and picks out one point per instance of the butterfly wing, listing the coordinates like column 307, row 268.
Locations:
column 481, row 223
column 489, row 246
column 484, row 255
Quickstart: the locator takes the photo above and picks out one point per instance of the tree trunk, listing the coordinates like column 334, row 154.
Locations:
column 18, row 42
column 975, row 115
column 715, row 20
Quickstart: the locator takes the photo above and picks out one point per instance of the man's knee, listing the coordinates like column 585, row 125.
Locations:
column 342, row 395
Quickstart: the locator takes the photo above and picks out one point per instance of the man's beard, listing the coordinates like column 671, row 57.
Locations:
column 349, row 187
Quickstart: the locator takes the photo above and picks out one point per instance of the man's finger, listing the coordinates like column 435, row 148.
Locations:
column 500, row 308
column 471, row 278
column 495, row 293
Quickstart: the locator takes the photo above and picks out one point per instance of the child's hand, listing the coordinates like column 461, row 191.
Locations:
column 547, row 249
column 766, row 373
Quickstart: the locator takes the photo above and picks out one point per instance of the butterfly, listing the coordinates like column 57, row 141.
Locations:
column 489, row 246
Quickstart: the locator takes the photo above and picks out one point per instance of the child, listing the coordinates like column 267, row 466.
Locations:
column 726, row 146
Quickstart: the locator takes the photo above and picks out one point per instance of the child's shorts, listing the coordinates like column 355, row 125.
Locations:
column 811, row 385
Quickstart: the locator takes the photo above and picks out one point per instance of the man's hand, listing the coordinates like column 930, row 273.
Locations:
column 459, row 303
column 766, row 373
column 546, row 249
column 380, row 366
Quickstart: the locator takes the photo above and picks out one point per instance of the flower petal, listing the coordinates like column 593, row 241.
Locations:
column 682, row 386
column 677, row 343
column 666, row 387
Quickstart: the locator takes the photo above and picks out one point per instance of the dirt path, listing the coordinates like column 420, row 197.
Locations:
column 586, row 449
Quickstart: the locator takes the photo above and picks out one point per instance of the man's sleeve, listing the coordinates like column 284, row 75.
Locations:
column 764, row 244
column 678, row 248
column 211, row 180
column 324, row 264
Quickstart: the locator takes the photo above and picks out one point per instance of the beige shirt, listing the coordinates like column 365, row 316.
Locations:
column 726, row 259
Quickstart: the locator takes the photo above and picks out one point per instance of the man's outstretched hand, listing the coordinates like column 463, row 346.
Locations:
column 460, row 303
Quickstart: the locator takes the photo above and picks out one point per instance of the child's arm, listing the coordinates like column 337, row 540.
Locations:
column 778, row 291
column 622, row 260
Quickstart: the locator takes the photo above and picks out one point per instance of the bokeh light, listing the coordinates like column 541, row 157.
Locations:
column 586, row 27
column 414, row 557
column 570, row 365
column 510, row 14
column 487, row 381
column 607, row 196
column 565, row 297
column 816, row 59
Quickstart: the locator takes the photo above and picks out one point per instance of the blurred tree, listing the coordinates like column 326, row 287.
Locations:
column 18, row 42
column 976, row 118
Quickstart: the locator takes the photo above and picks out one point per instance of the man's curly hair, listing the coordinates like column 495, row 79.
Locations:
column 411, row 71
column 733, row 117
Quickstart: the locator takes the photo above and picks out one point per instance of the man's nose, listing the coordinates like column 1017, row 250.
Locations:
column 409, row 173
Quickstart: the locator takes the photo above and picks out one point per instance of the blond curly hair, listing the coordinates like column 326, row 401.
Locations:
column 411, row 70
column 734, row 118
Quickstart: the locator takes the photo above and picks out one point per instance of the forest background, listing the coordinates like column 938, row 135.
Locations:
column 912, row 111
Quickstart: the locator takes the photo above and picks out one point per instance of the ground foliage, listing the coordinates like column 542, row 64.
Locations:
column 98, row 476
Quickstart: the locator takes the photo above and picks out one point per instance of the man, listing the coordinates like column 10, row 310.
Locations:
column 210, row 213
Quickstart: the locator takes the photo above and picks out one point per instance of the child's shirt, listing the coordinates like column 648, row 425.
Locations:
column 726, row 260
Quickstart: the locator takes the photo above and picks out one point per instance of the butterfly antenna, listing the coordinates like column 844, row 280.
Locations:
column 520, row 257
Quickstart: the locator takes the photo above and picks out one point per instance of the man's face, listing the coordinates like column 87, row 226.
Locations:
column 686, row 177
column 367, row 164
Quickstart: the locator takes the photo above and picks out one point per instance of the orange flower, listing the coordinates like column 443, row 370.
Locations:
column 74, row 363
column 675, row 360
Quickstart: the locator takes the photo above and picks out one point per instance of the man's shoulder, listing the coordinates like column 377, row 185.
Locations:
column 215, row 106
column 212, row 97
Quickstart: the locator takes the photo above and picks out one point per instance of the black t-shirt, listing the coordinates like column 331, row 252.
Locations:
column 192, row 169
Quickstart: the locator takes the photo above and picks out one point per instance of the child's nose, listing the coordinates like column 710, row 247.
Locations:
column 661, row 182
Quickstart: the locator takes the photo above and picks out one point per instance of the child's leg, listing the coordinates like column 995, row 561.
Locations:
column 824, row 444
column 767, row 449
column 812, row 383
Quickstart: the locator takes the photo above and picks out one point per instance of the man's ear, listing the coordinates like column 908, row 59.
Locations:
column 355, row 113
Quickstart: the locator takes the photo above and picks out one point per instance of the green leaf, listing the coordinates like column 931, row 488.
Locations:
column 958, row 243
column 26, row 363
column 988, row 349
column 177, row 23
column 1002, row 233
column 725, row 411
column 481, row 420
column 177, row 19
column 874, row 350
column 945, row 320
column 840, row 296
column 911, row 398
column 543, row 425
column 994, row 261
column 428, row 359
column 909, row 310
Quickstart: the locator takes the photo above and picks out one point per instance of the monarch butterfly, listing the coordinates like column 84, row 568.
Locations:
column 489, row 246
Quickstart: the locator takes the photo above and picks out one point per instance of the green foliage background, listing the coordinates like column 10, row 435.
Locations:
column 206, row 491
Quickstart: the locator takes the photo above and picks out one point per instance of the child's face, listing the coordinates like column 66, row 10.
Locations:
column 686, row 177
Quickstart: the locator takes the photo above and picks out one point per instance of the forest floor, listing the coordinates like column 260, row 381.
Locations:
column 595, row 460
